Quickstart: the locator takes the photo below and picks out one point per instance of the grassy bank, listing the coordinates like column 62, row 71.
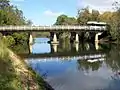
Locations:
column 15, row 74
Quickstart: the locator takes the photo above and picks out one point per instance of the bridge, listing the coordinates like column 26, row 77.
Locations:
column 55, row 29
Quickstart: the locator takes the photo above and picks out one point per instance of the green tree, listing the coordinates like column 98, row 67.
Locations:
column 95, row 15
column 83, row 16
column 4, row 4
column 61, row 20
column 11, row 15
column 65, row 20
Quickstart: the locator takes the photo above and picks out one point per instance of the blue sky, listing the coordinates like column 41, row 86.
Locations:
column 45, row 12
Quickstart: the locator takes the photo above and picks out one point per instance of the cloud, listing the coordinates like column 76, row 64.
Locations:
column 101, row 5
column 53, row 14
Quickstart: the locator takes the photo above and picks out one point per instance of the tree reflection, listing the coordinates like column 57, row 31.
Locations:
column 84, row 65
column 113, row 58
column 65, row 45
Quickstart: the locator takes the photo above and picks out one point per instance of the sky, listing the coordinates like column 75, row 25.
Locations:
column 45, row 12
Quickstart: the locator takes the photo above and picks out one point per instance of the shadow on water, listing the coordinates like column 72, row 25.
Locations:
column 83, row 66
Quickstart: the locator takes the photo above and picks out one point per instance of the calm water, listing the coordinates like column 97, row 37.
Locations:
column 77, row 66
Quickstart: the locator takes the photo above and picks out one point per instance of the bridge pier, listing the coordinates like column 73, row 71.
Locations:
column 96, row 37
column 54, row 41
column 30, row 39
column 96, row 45
column 77, row 38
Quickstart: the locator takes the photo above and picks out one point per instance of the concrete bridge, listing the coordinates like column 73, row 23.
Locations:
column 55, row 29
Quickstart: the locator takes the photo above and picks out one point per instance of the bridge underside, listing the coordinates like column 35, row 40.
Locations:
column 77, row 32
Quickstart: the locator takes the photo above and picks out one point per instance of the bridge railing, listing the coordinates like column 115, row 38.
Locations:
column 57, row 27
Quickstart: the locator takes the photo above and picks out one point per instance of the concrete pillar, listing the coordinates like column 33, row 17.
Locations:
column 30, row 39
column 96, row 37
column 96, row 45
column 54, row 39
column 77, row 38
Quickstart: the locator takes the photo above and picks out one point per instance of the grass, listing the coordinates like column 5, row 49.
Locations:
column 9, row 80
column 15, row 74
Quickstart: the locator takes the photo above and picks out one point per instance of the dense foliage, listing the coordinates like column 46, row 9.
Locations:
column 11, row 15
column 65, row 20
column 84, row 15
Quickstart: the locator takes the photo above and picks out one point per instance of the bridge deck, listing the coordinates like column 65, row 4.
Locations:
column 52, row 28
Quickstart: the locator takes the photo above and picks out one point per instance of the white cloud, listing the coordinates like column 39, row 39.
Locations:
column 101, row 5
column 53, row 14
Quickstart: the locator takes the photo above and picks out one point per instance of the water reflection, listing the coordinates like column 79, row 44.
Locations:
column 85, row 67
column 41, row 46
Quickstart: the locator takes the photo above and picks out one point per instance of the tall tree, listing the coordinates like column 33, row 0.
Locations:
column 83, row 16
column 95, row 15
column 65, row 20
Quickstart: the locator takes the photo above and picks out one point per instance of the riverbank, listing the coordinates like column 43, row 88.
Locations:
column 15, row 74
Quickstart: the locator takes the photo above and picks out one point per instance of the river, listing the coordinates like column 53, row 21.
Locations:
column 76, row 66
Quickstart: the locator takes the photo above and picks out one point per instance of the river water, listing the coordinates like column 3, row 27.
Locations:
column 76, row 66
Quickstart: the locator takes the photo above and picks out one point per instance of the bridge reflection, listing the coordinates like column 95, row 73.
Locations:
column 68, row 47
column 87, row 51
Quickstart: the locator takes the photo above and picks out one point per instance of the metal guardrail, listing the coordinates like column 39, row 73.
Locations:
column 50, row 28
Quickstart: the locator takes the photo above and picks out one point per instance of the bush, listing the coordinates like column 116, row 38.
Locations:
column 3, row 51
column 9, row 40
column 20, row 37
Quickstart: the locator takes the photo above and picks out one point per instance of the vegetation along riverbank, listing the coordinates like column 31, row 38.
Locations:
column 16, row 75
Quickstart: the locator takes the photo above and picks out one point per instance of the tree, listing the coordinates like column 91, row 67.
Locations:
column 71, row 21
column 61, row 20
column 83, row 16
column 106, row 16
column 65, row 20
column 11, row 15
column 4, row 4
column 95, row 15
